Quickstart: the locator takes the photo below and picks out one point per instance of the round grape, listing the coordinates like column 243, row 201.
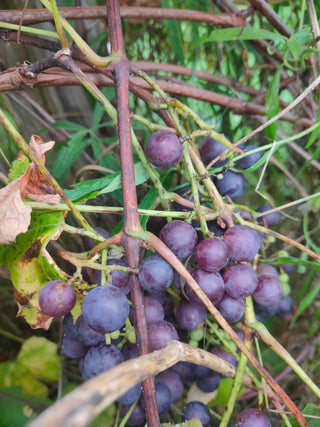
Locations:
column 268, row 292
column 173, row 381
column 163, row 149
column 285, row 306
column 209, row 383
column 101, row 358
column 57, row 298
column 243, row 243
column 190, row 316
column 212, row 254
column 231, row 184
column 73, row 349
column 197, row 410
column 268, row 270
column 163, row 397
column 131, row 396
column 240, row 280
column 137, row 415
column 269, row 220
column 153, row 309
column 180, row 237
column 252, row 417
column 160, row 333
column 105, row 309
column 209, row 149
column 155, row 274
column 211, row 283
column 86, row 334
column 231, row 309
column 248, row 161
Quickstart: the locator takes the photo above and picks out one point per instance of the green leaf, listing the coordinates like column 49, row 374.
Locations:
column 291, row 260
column 174, row 32
column 92, row 188
column 39, row 356
column 235, row 34
column 12, row 409
column 315, row 133
column 272, row 103
column 304, row 304
column 18, row 167
column 69, row 153
column 302, row 36
column 66, row 125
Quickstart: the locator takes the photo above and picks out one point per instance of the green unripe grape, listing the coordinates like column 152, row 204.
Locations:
column 282, row 254
column 283, row 278
column 286, row 288
column 197, row 335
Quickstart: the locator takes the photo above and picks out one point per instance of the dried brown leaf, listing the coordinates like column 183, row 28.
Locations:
column 15, row 215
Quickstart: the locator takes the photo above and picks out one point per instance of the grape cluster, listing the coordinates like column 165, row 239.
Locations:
column 226, row 267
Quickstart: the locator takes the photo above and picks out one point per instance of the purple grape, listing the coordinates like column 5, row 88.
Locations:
column 160, row 296
column 231, row 184
column 57, row 298
column 197, row 410
column 131, row 396
column 155, row 274
column 101, row 358
column 268, row 292
column 209, row 149
column 285, row 306
column 163, row 149
column 231, row 309
column 105, row 309
column 287, row 268
column 243, row 243
column 190, row 316
column 137, row 415
column 173, row 382
column 240, row 280
column 262, row 312
column 268, row 220
column 209, row 383
column 86, row 334
column 248, row 161
column 69, row 329
column 153, row 309
column 212, row 254
column 180, row 237
column 252, row 417
column 160, row 333
column 267, row 270
column 73, row 349
column 211, row 283
column 163, row 397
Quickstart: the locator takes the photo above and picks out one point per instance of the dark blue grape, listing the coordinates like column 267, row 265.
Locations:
column 269, row 220
column 209, row 149
column 86, row 334
column 268, row 292
column 180, row 237
column 231, row 309
column 73, row 349
column 197, row 410
column 190, row 316
column 131, row 396
column 285, row 306
column 209, row 383
column 163, row 397
column 248, row 161
column 101, row 358
column 105, row 309
column 155, row 274
column 231, row 184
column 137, row 415
column 173, row 381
